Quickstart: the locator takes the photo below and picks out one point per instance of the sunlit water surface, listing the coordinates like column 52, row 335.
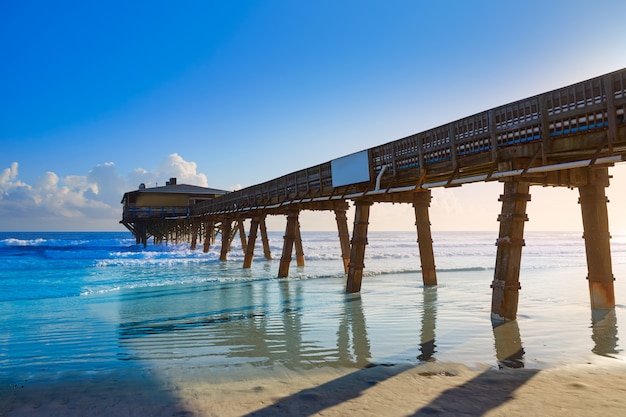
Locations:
column 96, row 302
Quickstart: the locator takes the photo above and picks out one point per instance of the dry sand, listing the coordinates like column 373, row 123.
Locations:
column 430, row 389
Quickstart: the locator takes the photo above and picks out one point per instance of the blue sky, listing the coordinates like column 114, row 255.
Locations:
column 96, row 98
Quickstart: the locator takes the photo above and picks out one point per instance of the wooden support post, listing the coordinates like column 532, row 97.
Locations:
column 144, row 236
column 505, row 283
column 421, row 202
column 141, row 234
column 242, row 235
column 298, row 243
column 208, row 236
column 226, row 230
column 359, row 241
column 596, row 234
column 249, row 254
column 344, row 237
column 290, row 236
column 194, row 234
column 266, row 243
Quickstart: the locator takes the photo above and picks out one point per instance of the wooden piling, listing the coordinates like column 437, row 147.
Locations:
column 596, row 234
column 290, row 236
column 505, row 284
column 421, row 203
column 242, row 235
column 298, row 244
column 208, row 236
column 266, row 244
column 249, row 254
column 344, row 237
column 194, row 234
column 226, row 232
column 359, row 241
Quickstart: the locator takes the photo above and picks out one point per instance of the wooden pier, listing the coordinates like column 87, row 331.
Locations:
column 568, row 137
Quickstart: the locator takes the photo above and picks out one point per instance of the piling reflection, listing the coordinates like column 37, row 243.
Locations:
column 258, row 322
column 604, row 332
column 352, row 327
column 508, row 343
column 429, row 317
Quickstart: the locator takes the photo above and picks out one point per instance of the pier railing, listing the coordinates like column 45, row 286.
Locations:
column 581, row 121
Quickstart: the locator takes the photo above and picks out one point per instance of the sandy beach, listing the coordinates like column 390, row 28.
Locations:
column 400, row 390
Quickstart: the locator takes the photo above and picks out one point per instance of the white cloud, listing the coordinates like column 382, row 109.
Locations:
column 185, row 172
column 85, row 202
column 173, row 166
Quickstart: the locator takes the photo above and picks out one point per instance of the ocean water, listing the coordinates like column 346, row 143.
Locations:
column 90, row 303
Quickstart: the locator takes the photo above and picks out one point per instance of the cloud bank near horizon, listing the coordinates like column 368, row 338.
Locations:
column 81, row 202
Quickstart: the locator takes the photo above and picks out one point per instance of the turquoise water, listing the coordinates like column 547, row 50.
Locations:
column 96, row 302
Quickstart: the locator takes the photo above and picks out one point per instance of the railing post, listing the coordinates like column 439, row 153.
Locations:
column 494, row 136
column 610, row 111
column 452, row 137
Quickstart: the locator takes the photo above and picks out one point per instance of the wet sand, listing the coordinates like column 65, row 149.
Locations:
column 400, row 390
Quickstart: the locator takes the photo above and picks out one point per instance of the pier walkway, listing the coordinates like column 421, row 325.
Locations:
column 568, row 137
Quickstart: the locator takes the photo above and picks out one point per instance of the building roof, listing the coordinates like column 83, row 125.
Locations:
column 179, row 189
column 183, row 189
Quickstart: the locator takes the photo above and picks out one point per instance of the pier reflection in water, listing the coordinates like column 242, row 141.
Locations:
column 309, row 323
column 604, row 332
column 256, row 322
column 508, row 343
column 427, row 337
